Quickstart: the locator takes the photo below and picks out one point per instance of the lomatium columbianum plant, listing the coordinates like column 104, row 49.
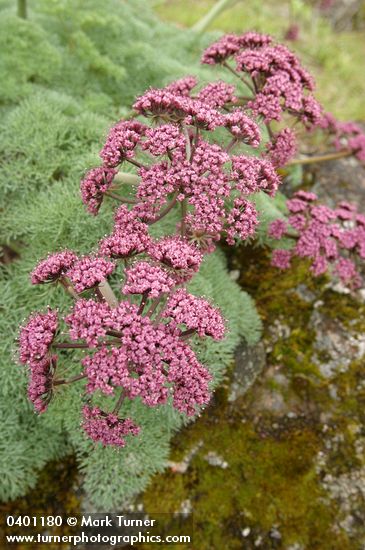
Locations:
column 204, row 152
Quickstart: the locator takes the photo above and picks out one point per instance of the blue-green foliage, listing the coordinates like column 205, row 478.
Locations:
column 67, row 73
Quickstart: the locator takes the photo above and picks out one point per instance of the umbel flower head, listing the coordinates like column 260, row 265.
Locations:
column 145, row 278
column 107, row 428
column 332, row 238
column 134, row 351
column 37, row 336
column 181, row 257
column 94, row 185
column 53, row 267
column 345, row 135
column 88, row 271
column 35, row 340
column 197, row 153
column 279, row 81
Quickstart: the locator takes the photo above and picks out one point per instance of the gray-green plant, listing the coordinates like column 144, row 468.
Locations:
column 68, row 70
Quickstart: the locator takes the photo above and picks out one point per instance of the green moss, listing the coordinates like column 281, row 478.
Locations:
column 53, row 495
column 344, row 308
column 272, row 478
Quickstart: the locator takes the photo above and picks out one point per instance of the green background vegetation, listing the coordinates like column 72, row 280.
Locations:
column 67, row 73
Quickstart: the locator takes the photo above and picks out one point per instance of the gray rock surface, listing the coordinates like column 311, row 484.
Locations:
column 249, row 362
column 340, row 180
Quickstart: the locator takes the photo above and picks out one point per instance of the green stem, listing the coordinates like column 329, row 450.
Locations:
column 22, row 9
column 321, row 158
column 203, row 23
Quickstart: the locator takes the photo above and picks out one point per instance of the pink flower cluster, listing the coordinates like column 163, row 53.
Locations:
column 106, row 428
column 53, row 267
column 252, row 174
column 345, row 135
column 182, row 258
column 139, row 356
column 243, row 127
column 139, row 347
column 282, row 147
column 94, row 185
column 89, row 271
column 191, row 169
column 217, row 94
column 121, row 142
column 88, row 321
column 148, row 279
column 163, row 139
column 130, row 236
column 36, row 337
column 144, row 357
column 279, row 81
column 333, row 239
column 196, row 314
column 231, row 44
column 35, row 341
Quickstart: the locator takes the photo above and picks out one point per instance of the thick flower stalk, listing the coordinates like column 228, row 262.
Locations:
column 200, row 153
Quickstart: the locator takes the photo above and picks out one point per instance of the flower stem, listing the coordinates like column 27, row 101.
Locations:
column 195, row 142
column 68, row 287
column 119, row 403
column 136, row 163
column 69, row 345
column 143, row 303
column 69, row 381
column 119, row 198
column 187, row 139
column 231, row 144
column 107, row 293
column 269, row 130
column 115, row 333
column 22, row 9
column 78, row 345
column 183, row 216
column 153, row 306
column 126, row 177
column 203, row 23
column 187, row 333
column 169, row 207
column 249, row 86
column 321, row 158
